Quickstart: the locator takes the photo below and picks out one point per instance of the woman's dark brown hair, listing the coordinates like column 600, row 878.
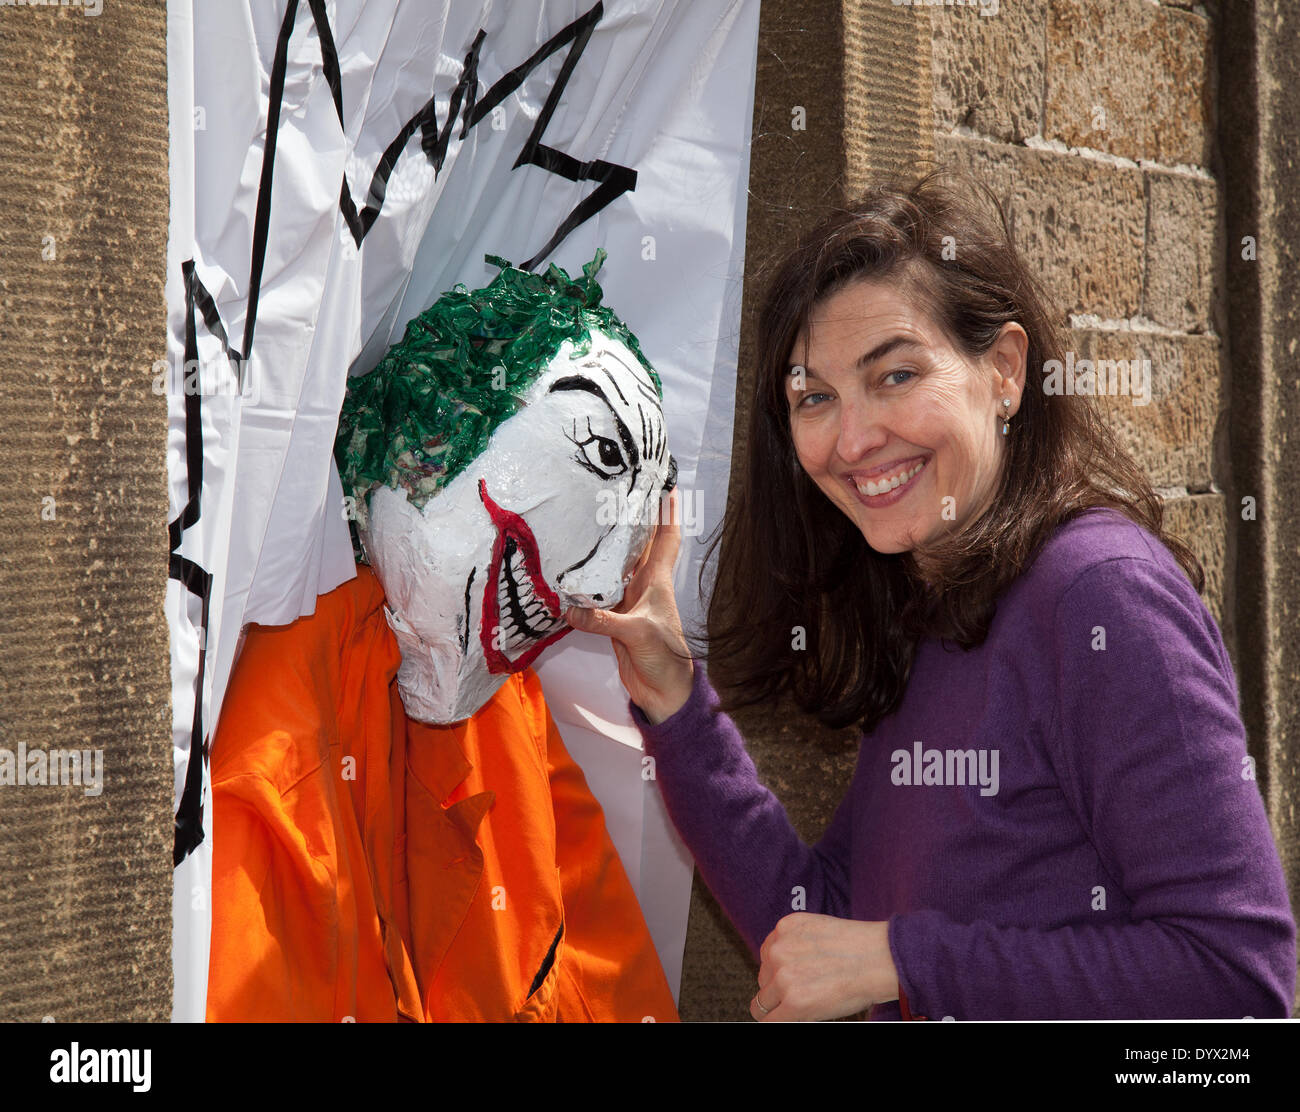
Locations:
column 790, row 559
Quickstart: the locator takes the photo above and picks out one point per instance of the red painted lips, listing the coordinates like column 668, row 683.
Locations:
column 521, row 613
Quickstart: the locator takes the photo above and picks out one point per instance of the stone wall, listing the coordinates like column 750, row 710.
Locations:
column 1094, row 124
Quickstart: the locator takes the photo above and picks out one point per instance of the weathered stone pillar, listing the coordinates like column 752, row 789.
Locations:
column 1259, row 142
column 85, row 874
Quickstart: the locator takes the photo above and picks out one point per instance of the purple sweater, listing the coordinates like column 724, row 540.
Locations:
column 1102, row 851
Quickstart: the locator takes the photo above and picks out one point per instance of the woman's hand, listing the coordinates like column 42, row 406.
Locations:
column 653, row 659
column 823, row 967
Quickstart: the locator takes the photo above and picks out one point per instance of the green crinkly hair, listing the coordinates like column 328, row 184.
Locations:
column 427, row 410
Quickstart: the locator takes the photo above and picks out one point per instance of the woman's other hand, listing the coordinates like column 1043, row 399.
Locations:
column 654, row 661
column 823, row 967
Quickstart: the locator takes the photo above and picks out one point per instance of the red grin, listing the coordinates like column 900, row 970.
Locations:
column 515, row 584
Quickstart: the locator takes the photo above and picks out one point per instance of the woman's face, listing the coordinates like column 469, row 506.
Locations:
column 899, row 429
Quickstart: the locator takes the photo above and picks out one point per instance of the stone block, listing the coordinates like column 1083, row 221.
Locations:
column 1130, row 78
column 1199, row 522
column 1172, row 434
column 1178, row 291
column 987, row 70
column 1080, row 222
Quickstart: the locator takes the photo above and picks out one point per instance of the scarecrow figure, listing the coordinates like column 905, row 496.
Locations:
column 398, row 830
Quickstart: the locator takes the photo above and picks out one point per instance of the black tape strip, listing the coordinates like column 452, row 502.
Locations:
column 614, row 181
column 189, row 815
column 329, row 55
column 188, row 831
column 193, row 427
column 582, row 28
column 547, row 962
column 262, row 222
column 435, row 140
column 511, row 81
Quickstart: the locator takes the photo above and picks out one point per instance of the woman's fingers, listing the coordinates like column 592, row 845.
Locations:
column 658, row 557
column 654, row 659
column 668, row 537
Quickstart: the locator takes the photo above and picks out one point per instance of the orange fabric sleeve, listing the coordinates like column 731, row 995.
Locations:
column 610, row 970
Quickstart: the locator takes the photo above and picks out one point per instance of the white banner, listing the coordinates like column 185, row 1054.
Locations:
column 336, row 166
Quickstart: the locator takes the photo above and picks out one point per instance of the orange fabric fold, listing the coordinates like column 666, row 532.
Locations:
column 370, row 867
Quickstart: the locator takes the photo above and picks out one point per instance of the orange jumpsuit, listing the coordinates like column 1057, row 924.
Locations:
column 370, row 867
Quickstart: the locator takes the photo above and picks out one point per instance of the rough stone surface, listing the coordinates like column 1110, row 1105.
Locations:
column 1172, row 437
column 988, row 70
column 886, row 81
column 1181, row 249
column 1199, row 522
column 1080, row 222
column 86, row 888
column 1130, row 78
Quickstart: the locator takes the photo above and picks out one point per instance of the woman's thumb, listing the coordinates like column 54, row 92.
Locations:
column 589, row 620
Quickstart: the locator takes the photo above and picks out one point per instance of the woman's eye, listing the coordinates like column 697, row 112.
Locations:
column 807, row 401
column 602, row 455
column 910, row 375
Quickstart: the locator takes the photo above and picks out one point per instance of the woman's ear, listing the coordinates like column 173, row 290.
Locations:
column 1008, row 355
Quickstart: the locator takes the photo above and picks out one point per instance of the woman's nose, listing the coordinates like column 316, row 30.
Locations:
column 861, row 430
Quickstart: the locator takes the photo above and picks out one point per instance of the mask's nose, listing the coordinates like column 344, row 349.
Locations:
column 599, row 581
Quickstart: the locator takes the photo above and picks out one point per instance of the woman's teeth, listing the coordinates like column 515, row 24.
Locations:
column 869, row 488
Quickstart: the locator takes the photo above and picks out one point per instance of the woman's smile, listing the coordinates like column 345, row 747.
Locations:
column 884, row 487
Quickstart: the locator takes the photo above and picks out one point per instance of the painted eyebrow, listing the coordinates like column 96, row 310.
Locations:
column 876, row 353
column 634, row 372
column 581, row 382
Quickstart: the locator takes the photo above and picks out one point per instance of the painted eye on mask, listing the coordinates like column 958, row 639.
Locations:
column 601, row 455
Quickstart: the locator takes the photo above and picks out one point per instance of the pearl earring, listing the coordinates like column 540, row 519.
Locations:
column 1006, row 416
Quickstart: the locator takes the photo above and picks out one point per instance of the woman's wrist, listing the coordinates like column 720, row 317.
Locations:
column 673, row 700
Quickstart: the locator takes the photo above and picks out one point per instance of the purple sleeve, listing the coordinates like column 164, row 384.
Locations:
column 748, row 853
column 1150, row 752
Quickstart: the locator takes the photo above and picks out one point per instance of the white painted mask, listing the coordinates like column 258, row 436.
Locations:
column 555, row 512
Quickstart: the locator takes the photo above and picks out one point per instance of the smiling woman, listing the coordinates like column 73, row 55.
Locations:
column 907, row 332
column 1049, row 817
column 890, row 418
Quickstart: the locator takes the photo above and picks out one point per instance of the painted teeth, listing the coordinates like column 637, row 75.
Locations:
column 869, row 488
column 540, row 621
